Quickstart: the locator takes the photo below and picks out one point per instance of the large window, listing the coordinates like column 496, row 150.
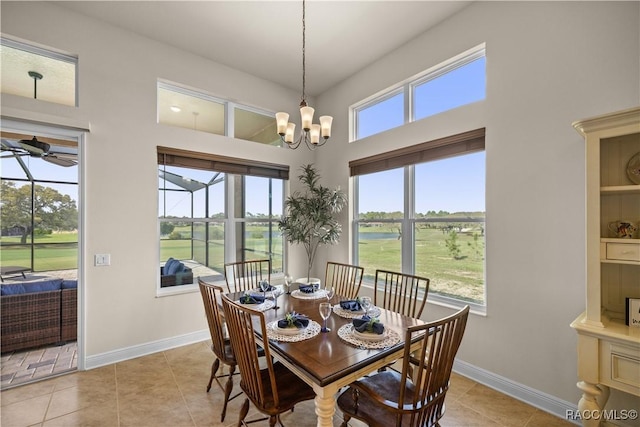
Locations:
column 214, row 210
column 456, row 82
column 426, row 216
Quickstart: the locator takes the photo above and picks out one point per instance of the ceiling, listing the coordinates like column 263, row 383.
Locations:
column 264, row 38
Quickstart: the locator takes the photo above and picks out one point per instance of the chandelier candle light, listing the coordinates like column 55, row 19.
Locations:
column 311, row 133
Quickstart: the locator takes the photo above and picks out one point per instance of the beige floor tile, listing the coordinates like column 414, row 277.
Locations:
column 72, row 399
column 99, row 415
column 25, row 412
column 27, row 391
column 458, row 415
column 544, row 419
column 501, row 408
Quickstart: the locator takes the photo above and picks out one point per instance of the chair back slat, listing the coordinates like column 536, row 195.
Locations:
column 240, row 322
column 246, row 275
column 211, row 298
column 403, row 293
column 344, row 278
column 431, row 366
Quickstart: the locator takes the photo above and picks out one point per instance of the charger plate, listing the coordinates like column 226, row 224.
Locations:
column 346, row 333
column 275, row 333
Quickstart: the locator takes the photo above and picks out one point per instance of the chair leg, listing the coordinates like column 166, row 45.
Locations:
column 227, row 391
column 243, row 412
column 214, row 369
column 272, row 420
column 345, row 420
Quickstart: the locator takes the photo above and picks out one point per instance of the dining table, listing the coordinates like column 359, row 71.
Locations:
column 328, row 361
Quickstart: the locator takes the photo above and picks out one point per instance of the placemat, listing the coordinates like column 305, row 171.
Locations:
column 346, row 333
column 320, row 293
column 348, row 314
column 310, row 331
column 264, row 306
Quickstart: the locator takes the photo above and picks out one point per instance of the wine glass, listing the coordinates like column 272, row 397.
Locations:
column 329, row 292
column 275, row 292
column 325, row 312
column 365, row 302
column 288, row 281
column 264, row 286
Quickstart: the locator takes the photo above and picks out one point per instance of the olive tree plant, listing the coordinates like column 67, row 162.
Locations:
column 310, row 216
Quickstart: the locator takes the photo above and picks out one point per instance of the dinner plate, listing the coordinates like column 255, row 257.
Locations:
column 288, row 331
column 369, row 336
column 633, row 168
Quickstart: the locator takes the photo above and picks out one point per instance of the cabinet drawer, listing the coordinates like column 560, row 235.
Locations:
column 622, row 251
column 620, row 367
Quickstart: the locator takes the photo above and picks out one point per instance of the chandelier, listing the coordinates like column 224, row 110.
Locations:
column 311, row 133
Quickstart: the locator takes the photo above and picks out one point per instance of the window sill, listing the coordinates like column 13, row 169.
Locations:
column 176, row 290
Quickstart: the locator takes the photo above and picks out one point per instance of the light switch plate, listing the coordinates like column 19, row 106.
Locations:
column 101, row 260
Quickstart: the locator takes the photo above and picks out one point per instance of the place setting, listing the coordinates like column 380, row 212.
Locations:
column 309, row 291
column 292, row 327
column 263, row 298
column 368, row 333
column 361, row 306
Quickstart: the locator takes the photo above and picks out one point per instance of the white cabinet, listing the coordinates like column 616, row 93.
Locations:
column 609, row 350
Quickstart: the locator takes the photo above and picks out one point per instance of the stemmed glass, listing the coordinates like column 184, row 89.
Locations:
column 325, row 312
column 329, row 292
column 365, row 302
column 288, row 281
column 264, row 286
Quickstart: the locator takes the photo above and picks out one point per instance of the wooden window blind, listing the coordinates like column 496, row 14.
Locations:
column 206, row 161
column 462, row 143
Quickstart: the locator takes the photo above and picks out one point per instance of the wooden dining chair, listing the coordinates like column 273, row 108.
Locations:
column 403, row 293
column 221, row 346
column 246, row 275
column 274, row 389
column 392, row 398
column 345, row 279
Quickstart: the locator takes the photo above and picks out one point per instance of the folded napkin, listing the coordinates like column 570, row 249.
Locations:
column 293, row 319
column 269, row 288
column 309, row 288
column 367, row 324
column 251, row 299
column 352, row 305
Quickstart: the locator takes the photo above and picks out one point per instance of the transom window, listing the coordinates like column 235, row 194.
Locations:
column 190, row 109
column 456, row 82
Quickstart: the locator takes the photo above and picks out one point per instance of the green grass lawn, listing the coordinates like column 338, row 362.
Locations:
column 462, row 278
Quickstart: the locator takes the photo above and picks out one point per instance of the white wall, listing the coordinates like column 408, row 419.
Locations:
column 117, row 77
column 548, row 64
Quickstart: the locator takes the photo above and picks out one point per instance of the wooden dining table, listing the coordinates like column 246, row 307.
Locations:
column 325, row 361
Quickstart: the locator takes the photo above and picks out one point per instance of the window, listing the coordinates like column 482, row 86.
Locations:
column 215, row 209
column 457, row 82
column 426, row 216
column 190, row 109
column 57, row 71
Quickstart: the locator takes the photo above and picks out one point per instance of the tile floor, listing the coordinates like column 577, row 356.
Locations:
column 168, row 389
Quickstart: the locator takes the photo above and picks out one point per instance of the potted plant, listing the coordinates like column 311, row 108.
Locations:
column 310, row 216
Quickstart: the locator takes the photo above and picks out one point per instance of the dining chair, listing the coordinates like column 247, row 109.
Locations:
column 246, row 275
column 221, row 346
column 345, row 279
column 391, row 398
column 274, row 389
column 403, row 293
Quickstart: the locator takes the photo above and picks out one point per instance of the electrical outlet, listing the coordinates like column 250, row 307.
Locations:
column 101, row 260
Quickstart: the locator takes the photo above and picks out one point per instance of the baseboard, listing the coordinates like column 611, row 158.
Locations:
column 127, row 353
column 543, row 401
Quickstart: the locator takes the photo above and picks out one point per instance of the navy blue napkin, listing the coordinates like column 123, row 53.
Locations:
column 269, row 288
column 352, row 305
column 251, row 299
column 309, row 288
column 367, row 324
column 298, row 320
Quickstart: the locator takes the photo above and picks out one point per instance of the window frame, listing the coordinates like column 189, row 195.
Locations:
column 408, row 87
column 407, row 158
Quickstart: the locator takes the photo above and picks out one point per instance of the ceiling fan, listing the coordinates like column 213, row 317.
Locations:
column 60, row 156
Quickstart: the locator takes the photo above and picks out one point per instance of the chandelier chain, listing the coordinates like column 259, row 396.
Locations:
column 303, row 53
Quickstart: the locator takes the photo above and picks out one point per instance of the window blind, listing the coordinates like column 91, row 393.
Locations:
column 207, row 161
column 466, row 142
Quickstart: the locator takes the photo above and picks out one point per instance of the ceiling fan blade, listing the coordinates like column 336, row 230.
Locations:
column 66, row 156
column 33, row 146
column 60, row 162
